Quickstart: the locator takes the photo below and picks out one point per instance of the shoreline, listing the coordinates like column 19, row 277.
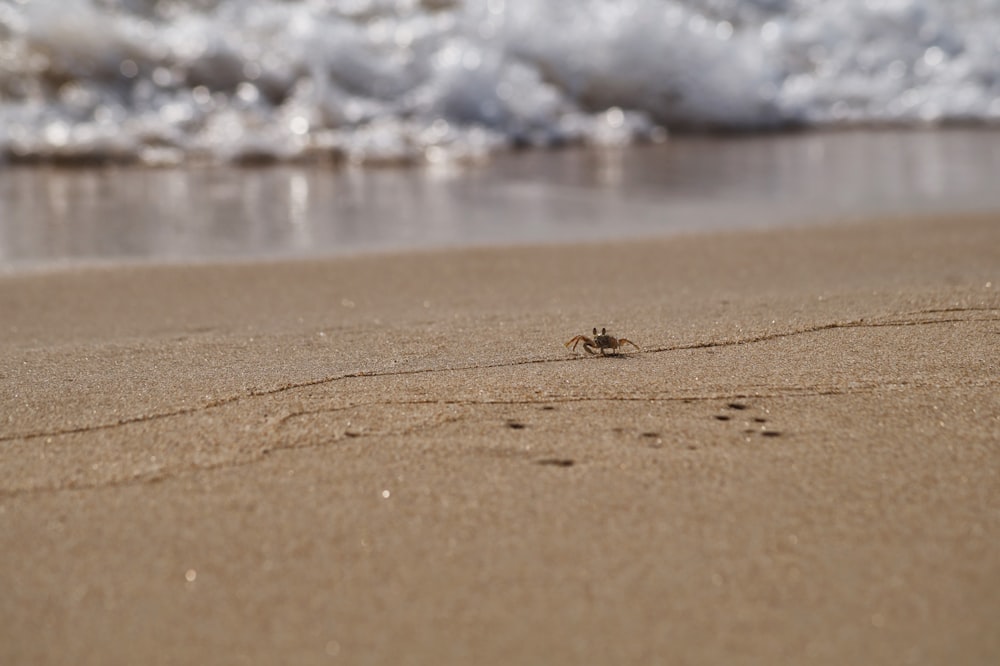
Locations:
column 289, row 212
column 393, row 458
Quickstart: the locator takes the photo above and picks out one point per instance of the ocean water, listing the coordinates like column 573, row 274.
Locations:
column 174, row 82
column 59, row 217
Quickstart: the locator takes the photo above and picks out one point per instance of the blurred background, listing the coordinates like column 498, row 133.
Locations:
column 173, row 129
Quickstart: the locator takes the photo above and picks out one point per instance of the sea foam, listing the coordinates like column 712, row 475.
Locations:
column 385, row 81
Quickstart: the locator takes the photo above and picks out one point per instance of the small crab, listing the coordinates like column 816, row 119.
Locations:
column 600, row 342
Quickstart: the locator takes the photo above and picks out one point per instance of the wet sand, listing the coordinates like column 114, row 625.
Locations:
column 71, row 217
column 393, row 458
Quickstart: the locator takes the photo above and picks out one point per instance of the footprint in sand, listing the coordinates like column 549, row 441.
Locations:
column 556, row 462
column 741, row 406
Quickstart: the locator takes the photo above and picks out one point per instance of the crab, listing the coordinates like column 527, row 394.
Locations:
column 600, row 342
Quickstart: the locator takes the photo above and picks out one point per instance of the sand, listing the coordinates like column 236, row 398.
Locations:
column 393, row 458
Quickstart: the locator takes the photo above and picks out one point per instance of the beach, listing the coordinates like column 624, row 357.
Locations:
column 393, row 458
column 473, row 332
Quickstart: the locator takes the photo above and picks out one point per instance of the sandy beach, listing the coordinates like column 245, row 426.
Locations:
column 394, row 459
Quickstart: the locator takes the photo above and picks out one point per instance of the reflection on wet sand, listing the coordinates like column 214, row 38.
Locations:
column 59, row 215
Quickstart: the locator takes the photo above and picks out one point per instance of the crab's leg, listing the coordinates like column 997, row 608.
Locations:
column 589, row 346
column 624, row 341
column 574, row 341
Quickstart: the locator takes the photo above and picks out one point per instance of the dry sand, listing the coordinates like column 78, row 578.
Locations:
column 394, row 459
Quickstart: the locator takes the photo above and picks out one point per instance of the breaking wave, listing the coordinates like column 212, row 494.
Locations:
column 165, row 82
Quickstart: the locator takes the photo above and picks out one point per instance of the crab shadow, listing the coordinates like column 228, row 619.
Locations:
column 620, row 357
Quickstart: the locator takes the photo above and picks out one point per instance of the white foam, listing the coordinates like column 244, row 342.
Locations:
column 410, row 81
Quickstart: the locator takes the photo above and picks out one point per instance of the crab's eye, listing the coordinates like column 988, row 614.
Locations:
column 595, row 330
column 604, row 331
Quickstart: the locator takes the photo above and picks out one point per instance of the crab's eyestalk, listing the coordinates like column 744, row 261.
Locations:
column 604, row 331
column 595, row 330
